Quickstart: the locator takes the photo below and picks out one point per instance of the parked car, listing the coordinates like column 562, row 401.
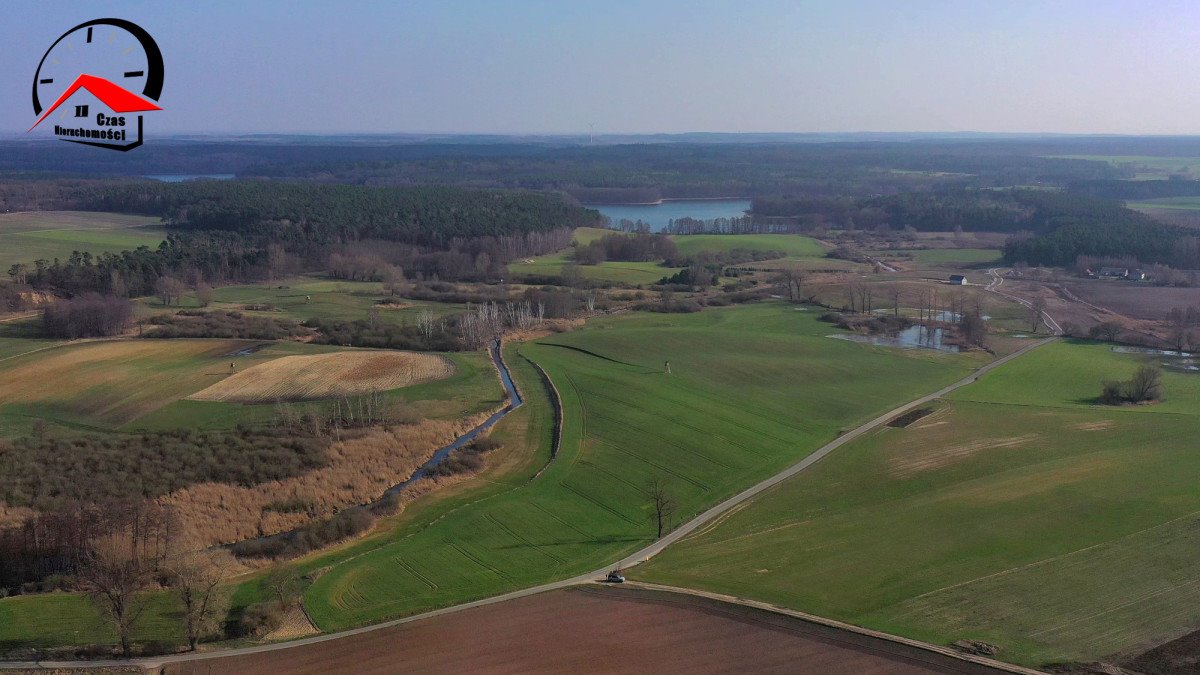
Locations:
column 614, row 577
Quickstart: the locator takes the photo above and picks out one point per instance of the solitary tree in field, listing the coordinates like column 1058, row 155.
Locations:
column 204, row 294
column 662, row 502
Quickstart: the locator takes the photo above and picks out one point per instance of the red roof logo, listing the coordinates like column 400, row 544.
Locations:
column 119, row 100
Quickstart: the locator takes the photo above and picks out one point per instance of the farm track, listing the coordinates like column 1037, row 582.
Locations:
column 629, row 561
column 994, row 287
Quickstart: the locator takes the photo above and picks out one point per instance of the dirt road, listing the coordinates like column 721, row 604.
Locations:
column 998, row 281
column 592, row 629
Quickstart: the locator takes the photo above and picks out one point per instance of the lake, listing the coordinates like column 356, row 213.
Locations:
column 658, row 215
column 180, row 177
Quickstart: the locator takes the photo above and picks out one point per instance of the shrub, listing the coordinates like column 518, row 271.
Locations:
column 1145, row 385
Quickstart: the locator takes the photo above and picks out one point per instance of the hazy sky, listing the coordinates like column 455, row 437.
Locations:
column 525, row 66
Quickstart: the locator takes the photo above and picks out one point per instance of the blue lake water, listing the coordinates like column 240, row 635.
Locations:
column 180, row 177
column 658, row 215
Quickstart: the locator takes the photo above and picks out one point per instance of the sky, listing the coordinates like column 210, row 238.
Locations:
column 647, row 66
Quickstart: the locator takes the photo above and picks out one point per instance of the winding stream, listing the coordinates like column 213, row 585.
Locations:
column 514, row 401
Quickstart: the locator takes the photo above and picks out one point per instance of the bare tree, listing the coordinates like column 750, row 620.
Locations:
column 195, row 579
column 1146, row 385
column 1106, row 330
column 894, row 294
column 168, row 289
column 114, row 580
column 662, row 502
column 793, row 281
column 118, row 566
column 425, row 322
column 204, row 294
column 1036, row 309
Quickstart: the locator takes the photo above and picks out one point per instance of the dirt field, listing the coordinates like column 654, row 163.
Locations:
column 597, row 630
column 298, row 378
column 1140, row 300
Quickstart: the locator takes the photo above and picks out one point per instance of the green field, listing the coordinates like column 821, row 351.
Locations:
column 1017, row 513
column 796, row 248
column 791, row 245
column 632, row 273
column 1167, row 203
column 1148, row 167
column 46, row 235
column 68, row 619
column 723, row 419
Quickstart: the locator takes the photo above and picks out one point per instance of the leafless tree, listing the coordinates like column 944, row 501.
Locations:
column 1036, row 309
column 894, row 294
column 792, row 281
column 662, row 502
column 1107, row 330
column 425, row 322
column 168, row 289
column 1146, row 385
column 195, row 579
column 119, row 565
column 204, row 294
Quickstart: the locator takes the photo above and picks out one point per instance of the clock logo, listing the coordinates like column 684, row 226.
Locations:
column 110, row 71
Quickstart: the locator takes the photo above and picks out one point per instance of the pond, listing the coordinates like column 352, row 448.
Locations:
column 657, row 216
column 913, row 337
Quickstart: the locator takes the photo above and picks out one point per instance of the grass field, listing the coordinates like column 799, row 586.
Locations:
column 69, row 619
column 1017, row 513
column 315, row 376
column 752, row 389
column 799, row 249
column 792, row 245
column 1168, row 203
column 1148, row 167
column 46, row 235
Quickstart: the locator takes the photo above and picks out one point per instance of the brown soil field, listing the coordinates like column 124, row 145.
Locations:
column 315, row 376
column 1140, row 301
column 597, row 629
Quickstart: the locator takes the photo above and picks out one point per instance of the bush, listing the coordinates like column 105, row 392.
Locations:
column 260, row 619
column 1145, row 385
column 227, row 325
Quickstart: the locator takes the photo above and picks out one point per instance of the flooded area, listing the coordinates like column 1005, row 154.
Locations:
column 913, row 337
column 1178, row 362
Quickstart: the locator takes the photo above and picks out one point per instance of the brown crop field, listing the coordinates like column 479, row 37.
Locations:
column 316, row 376
column 597, row 629
column 1135, row 300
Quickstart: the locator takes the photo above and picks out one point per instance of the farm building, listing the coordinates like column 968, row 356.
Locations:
column 1114, row 272
column 958, row 280
column 1137, row 275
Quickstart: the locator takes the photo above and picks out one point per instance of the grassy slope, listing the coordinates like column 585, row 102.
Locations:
column 753, row 389
column 69, row 619
column 25, row 237
column 1019, row 515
